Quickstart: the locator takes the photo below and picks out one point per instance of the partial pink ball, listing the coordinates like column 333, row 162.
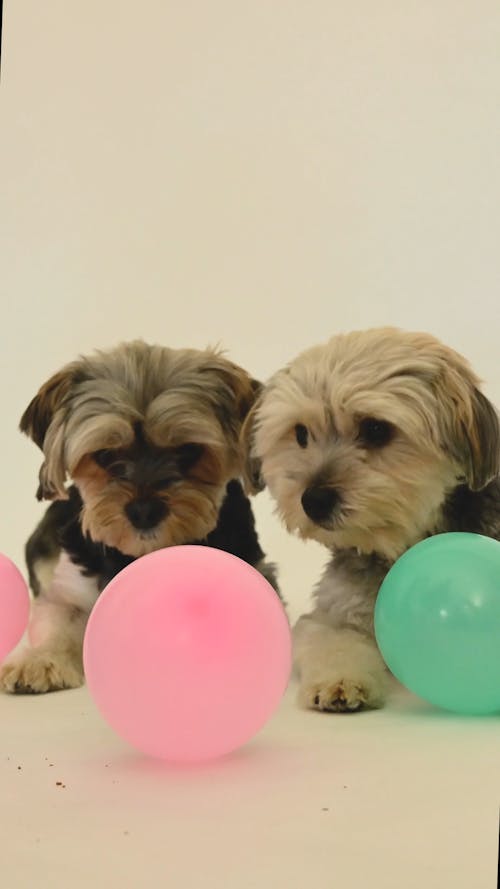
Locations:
column 14, row 606
column 187, row 653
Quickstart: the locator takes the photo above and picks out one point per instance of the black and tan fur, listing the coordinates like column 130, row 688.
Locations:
column 149, row 439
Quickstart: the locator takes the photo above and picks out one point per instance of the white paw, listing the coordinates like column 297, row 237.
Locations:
column 34, row 671
column 340, row 670
column 339, row 694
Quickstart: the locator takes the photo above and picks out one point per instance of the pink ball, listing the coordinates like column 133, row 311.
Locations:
column 187, row 653
column 14, row 606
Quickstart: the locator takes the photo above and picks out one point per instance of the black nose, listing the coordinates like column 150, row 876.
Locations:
column 145, row 514
column 318, row 503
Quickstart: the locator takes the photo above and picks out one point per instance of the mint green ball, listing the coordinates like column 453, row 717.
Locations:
column 437, row 622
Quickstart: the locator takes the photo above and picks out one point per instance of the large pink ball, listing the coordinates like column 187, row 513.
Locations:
column 14, row 606
column 187, row 653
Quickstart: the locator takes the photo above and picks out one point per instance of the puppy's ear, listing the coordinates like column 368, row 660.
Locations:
column 43, row 421
column 252, row 467
column 40, row 412
column 237, row 398
column 248, row 404
column 470, row 426
column 482, row 442
column 243, row 388
column 232, row 390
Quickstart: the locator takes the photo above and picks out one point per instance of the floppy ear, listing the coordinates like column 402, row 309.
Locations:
column 246, row 389
column 39, row 414
column 43, row 422
column 470, row 427
column 235, row 391
column 482, row 443
column 248, row 402
column 237, row 397
column 252, row 475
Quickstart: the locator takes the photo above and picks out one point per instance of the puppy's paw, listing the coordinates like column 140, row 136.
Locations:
column 342, row 695
column 35, row 671
column 341, row 671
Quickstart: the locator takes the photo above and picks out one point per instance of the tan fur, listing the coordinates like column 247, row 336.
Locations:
column 194, row 507
column 137, row 428
column 176, row 396
column 391, row 496
column 44, row 570
column 445, row 434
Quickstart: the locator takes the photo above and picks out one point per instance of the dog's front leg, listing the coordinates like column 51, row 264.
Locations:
column 336, row 657
column 50, row 655
column 340, row 669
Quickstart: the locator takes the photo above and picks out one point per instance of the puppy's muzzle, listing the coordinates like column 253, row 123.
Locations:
column 319, row 502
column 145, row 514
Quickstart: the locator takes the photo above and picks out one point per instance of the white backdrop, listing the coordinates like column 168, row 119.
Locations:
column 257, row 174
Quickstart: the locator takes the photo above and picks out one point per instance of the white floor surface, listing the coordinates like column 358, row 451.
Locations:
column 404, row 798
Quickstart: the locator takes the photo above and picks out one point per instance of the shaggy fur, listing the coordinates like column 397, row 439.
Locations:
column 368, row 444
column 150, row 438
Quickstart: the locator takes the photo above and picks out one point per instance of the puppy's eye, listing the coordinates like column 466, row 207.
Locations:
column 375, row 433
column 104, row 458
column 187, row 455
column 119, row 470
column 302, row 435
